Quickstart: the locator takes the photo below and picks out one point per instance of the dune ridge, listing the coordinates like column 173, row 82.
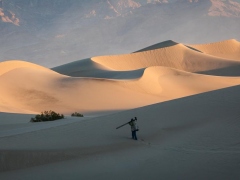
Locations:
column 158, row 46
column 168, row 53
column 229, row 49
column 89, row 68
column 177, row 56
column 7, row 66
column 31, row 89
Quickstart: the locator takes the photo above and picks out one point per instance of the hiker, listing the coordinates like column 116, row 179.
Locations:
column 134, row 128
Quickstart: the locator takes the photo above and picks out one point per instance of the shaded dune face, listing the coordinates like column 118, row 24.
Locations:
column 113, row 83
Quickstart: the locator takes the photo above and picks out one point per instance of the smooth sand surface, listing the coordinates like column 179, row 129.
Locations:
column 31, row 90
column 229, row 49
column 177, row 56
column 186, row 98
column 7, row 66
column 195, row 137
column 169, row 54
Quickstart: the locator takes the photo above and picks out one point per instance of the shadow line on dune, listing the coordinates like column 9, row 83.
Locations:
column 226, row 71
column 194, row 49
column 163, row 44
column 92, row 69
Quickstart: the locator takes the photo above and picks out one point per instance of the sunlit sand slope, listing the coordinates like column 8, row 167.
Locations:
column 177, row 56
column 30, row 89
column 7, row 66
column 229, row 49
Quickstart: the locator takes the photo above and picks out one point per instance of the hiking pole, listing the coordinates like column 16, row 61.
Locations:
column 122, row 125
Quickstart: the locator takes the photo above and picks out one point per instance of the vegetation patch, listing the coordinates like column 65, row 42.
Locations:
column 47, row 116
column 77, row 114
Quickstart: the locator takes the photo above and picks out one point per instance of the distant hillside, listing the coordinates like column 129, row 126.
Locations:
column 55, row 32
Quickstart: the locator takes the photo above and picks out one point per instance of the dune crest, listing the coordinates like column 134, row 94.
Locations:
column 168, row 83
column 229, row 49
column 177, row 56
column 7, row 66
column 159, row 45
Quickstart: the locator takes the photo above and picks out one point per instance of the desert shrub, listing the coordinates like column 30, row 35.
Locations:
column 77, row 114
column 47, row 116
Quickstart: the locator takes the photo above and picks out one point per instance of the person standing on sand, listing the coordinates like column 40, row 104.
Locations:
column 134, row 128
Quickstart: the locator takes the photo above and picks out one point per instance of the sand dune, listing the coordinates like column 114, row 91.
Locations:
column 190, row 138
column 158, row 46
column 177, row 56
column 168, row 82
column 185, row 98
column 89, row 68
column 229, row 49
column 195, row 58
column 103, row 84
column 7, row 66
column 31, row 90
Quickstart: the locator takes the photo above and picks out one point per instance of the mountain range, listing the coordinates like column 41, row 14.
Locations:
column 55, row 32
